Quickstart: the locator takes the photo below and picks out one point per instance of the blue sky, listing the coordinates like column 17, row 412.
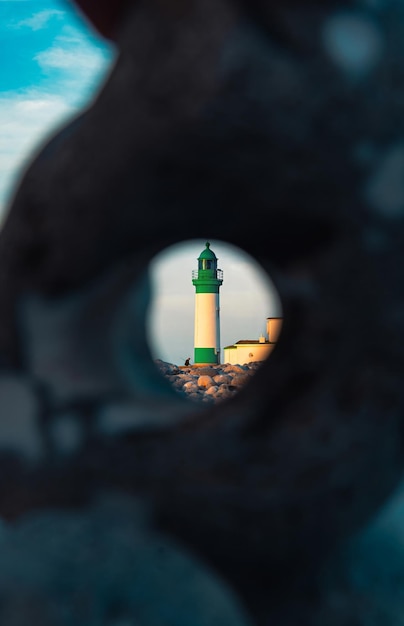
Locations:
column 50, row 65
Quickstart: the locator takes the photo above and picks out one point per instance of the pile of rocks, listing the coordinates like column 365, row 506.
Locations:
column 208, row 384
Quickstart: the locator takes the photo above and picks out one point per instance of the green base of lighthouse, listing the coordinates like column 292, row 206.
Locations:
column 206, row 355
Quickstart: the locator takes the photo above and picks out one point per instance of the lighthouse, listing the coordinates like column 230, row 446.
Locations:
column 207, row 280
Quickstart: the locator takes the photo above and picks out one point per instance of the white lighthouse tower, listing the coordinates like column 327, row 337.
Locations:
column 207, row 280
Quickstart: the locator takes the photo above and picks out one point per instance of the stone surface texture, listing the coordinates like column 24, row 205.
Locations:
column 285, row 122
column 105, row 567
column 208, row 384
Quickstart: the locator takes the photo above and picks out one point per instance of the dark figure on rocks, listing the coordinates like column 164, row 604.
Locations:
column 187, row 361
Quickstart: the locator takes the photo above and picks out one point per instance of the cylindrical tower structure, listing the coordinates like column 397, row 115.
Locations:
column 207, row 280
column 274, row 327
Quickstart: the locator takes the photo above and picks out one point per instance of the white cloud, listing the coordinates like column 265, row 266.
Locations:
column 73, row 67
column 80, row 58
column 75, row 64
column 25, row 119
column 40, row 20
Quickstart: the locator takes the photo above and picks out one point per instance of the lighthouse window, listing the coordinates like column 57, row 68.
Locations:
column 204, row 264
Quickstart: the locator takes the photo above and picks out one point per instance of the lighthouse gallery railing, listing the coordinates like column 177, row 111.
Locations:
column 195, row 274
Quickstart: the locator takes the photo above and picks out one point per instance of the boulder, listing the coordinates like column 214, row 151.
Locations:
column 221, row 379
column 206, row 371
column 205, row 381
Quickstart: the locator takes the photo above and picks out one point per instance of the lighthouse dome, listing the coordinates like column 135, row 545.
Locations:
column 207, row 253
column 207, row 265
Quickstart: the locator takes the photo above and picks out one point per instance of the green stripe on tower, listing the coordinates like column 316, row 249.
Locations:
column 205, row 355
column 206, row 287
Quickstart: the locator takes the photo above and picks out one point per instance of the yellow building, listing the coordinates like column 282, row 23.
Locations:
column 250, row 350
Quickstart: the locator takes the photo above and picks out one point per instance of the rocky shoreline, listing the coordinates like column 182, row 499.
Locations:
column 208, row 384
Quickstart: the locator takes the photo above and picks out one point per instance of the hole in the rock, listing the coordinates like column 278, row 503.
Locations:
column 215, row 317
